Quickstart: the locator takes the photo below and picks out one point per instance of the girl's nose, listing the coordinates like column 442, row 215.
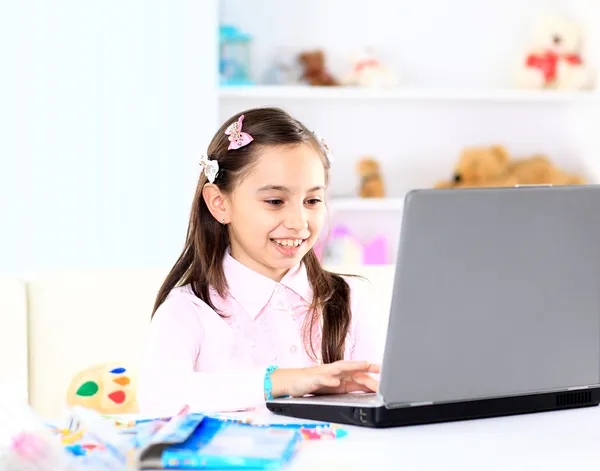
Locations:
column 296, row 220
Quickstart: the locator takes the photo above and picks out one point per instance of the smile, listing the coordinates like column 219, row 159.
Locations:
column 288, row 242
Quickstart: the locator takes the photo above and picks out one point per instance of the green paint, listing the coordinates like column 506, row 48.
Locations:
column 87, row 389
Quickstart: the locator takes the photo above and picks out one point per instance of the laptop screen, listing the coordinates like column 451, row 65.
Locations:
column 497, row 292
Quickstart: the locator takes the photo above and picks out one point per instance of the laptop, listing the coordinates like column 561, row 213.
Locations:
column 495, row 310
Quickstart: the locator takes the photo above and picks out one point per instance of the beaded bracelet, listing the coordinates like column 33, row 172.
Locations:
column 268, row 384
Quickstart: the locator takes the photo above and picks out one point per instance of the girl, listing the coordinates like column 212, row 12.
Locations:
column 247, row 312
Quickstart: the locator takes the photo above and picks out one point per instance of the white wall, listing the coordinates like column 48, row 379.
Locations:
column 106, row 107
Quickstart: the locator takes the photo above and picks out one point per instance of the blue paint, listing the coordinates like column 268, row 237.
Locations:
column 118, row 371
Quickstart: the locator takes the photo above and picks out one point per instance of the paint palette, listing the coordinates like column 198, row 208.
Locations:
column 107, row 388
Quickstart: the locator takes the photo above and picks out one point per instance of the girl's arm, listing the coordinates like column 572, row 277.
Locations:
column 167, row 378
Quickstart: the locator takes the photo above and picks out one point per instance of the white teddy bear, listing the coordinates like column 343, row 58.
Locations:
column 368, row 71
column 554, row 59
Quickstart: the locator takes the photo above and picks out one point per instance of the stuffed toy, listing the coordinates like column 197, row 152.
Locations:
column 480, row 166
column 314, row 70
column 493, row 167
column 554, row 59
column 107, row 388
column 371, row 180
column 368, row 71
column 539, row 169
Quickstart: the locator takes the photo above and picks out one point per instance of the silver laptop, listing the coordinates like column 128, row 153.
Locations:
column 495, row 310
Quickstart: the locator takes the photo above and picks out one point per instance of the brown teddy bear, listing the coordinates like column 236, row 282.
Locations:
column 492, row 167
column 371, row 180
column 314, row 70
column 540, row 170
column 481, row 166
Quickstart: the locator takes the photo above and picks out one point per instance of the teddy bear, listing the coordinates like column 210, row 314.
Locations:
column 368, row 71
column 371, row 180
column 554, row 58
column 480, row 166
column 538, row 169
column 314, row 71
column 107, row 388
column 492, row 167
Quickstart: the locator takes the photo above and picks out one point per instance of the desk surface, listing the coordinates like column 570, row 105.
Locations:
column 559, row 440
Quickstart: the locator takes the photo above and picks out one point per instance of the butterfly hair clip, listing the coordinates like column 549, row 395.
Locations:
column 324, row 146
column 237, row 138
column 209, row 167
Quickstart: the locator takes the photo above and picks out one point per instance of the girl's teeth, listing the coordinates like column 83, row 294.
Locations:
column 289, row 242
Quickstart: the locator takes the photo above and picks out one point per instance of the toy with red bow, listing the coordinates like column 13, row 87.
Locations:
column 555, row 59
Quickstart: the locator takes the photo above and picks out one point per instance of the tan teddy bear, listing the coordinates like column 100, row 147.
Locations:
column 539, row 169
column 480, row 166
column 371, row 180
column 492, row 167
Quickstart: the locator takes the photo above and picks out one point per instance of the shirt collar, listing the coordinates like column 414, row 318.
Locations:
column 253, row 290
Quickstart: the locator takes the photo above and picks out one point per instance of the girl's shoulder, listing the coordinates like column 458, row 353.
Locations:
column 182, row 302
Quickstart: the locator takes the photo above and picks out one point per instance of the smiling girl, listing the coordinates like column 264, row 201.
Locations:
column 247, row 312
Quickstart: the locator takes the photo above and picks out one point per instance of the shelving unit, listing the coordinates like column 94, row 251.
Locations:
column 456, row 63
column 400, row 94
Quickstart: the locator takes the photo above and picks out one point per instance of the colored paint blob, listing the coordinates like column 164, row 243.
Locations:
column 118, row 397
column 87, row 389
column 118, row 371
column 122, row 380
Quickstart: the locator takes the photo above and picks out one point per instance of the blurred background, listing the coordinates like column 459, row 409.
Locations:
column 106, row 107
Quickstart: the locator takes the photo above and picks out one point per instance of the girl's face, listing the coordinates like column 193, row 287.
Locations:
column 277, row 211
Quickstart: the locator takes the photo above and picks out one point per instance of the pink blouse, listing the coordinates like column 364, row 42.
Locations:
column 195, row 357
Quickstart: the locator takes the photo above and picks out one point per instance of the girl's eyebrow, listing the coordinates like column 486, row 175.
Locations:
column 285, row 189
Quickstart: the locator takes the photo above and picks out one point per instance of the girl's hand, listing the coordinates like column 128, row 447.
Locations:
column 335, row 378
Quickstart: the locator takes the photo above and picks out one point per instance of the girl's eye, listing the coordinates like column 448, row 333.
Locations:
column 274, row 202
column 313, row 201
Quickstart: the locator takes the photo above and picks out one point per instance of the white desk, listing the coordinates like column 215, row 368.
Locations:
column 559, row 440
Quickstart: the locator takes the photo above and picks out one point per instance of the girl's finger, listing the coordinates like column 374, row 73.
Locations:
column 355, row 387
column 329, row 381
column 348, row 366
column 366, row 380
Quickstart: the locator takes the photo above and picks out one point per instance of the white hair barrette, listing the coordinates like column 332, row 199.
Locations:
column 324, row 146
column 209, row 167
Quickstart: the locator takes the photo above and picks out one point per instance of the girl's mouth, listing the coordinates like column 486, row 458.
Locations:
column 288, row 247
column 288, row 242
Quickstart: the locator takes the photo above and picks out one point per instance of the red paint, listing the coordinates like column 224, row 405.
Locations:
column 118, row 397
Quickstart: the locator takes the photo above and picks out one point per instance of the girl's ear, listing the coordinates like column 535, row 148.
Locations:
column 216, row 202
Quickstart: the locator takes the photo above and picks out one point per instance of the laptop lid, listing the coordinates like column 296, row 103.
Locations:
column 496, row 293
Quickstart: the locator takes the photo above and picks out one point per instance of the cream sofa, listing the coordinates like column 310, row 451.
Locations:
column 58, row 323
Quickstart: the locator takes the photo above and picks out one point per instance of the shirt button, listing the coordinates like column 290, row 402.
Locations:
column 278, row 289
column 293, row 349
column 279, row 305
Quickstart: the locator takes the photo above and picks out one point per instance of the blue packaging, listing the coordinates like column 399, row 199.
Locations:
column 198, row 442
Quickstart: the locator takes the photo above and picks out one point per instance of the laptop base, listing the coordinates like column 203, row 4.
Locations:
column 381, row 417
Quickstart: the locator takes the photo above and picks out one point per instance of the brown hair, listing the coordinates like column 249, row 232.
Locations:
column 200, row 264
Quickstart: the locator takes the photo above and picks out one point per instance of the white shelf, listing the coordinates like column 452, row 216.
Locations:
column 366, row 204
column 432, row 94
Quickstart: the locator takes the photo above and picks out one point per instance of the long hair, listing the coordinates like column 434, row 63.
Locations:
column 200, row 264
